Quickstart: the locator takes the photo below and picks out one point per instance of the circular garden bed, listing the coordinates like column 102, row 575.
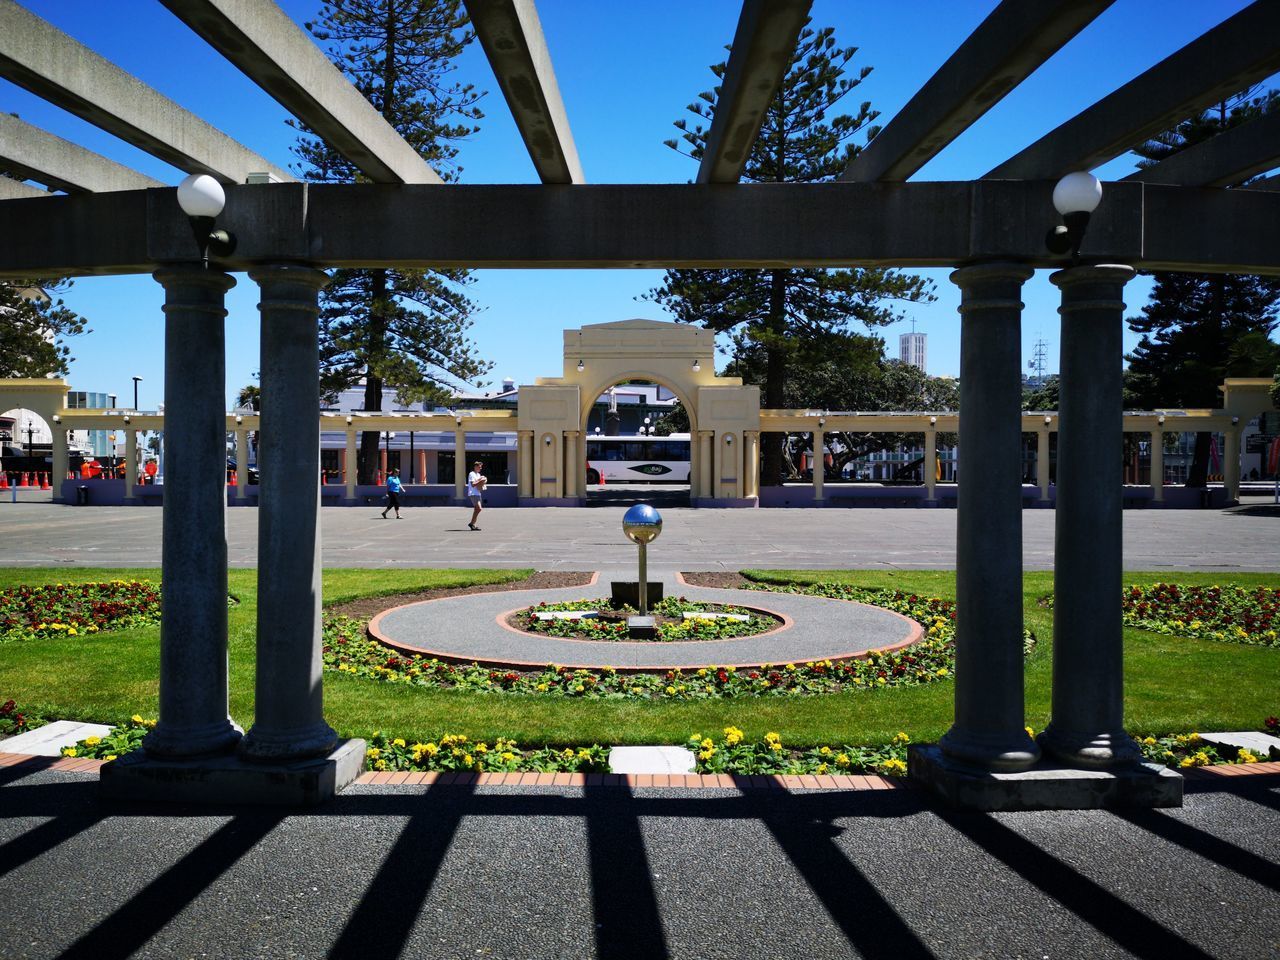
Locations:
column 676, row 619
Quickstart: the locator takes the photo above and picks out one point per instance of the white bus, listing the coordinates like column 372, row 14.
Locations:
column 638, row 459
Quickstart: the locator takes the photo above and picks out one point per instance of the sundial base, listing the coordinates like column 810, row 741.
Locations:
column 642, row 628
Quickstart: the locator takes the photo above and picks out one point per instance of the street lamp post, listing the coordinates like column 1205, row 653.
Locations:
column 136, row 381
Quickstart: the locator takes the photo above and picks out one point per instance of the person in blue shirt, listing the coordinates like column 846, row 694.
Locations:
column 393, row 493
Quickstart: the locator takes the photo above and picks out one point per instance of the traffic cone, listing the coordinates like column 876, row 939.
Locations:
column 4, row 480
column 232, row 481
column 44, row 482
column 22, row 480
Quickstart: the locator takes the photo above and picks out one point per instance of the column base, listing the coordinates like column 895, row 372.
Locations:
column 1093, row 750
column 1045, row 786
column 230, row 779
column 288, row 746
column 167, row 742
column 1006, row 753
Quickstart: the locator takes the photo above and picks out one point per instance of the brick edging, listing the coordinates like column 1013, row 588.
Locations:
column 714, row 781
column 65, row 764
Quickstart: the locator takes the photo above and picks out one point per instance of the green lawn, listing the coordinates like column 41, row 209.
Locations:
column 1172, row 685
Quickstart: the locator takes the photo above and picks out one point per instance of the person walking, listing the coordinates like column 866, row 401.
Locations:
column 475, row 490
column 393, row 493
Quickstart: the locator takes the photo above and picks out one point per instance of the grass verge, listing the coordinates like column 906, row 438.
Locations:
column 1172, row 684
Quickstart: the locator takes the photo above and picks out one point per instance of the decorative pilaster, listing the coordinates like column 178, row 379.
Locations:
column 193, row 717
column 931, row 465
column 989, row 729
column 130, row 462
column 1042, row 462
column 1087, row 728
column 819, row 465
column 289, row 720
column 1157, row 466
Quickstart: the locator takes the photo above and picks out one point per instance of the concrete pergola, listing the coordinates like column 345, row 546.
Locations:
column 1179, row 215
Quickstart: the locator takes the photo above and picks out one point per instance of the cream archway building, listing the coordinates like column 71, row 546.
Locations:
column 724, row 414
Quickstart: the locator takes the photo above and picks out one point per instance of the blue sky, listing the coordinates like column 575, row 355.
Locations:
column 626, row 71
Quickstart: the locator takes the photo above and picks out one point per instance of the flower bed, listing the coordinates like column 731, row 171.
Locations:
column 14, row 721
column 1182, row 751
column 1230, row 614
column 118, row 741
column 455, row 752
column 672, row 625
column 73, row 609
column 733, row 753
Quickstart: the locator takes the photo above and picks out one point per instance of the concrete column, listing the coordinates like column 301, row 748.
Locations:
column 1042, row 462
column 751, row 463
column 990, row 725
column 1087, row 726
column 431, row 472
column 130, row 462
column 819, row 471
column 1231, row 464
column 242, row 464
column 193, row 717
column 706, row 465
column 382, row 462
column 289, row 710
column 420, row 467
column 1157, row 466
column 60, row 463
column 351, row 463
column 931, row 465
column 573, row 468
column 526, row 463
column 460, row 466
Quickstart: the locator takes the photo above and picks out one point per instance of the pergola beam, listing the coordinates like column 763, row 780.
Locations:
column 1012, row 42
column 1238, row 52
column 511, row 35
column 11, row 189
column 36, row 55
column 762, row 49
column 650, row 226
column 1224, row 160
column 38, row 155
column 272, row 51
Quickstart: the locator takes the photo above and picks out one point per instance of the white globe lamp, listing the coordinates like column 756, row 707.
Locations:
column 199, row 195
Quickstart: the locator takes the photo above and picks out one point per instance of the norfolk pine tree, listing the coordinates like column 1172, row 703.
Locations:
column 405, row 329
column 1199, row 328
column 794, row 315
column 33, row 323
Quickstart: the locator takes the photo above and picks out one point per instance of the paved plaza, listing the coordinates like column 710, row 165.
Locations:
column 579, row 872
column 590, row 538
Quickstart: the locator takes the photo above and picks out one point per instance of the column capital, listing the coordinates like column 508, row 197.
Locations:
column 193, row 275
column 1092, row 286
column 974, row 273
column 288, row 273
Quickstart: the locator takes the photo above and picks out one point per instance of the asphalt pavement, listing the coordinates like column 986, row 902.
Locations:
column 590, row 538
column 608, row 872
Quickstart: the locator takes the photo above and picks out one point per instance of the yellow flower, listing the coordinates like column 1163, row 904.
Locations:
column 893, row 767
column 1246, row 756
column 508, row 756
column 822, row 768
column 1030, row 732
column 671, row 691
column 380, row 765
column 702, row 672
column 1149, row 741
column 943, row 671
column 880, row 680
column 791, row 667
column 432, row 749
column 772, row 737
column 68, row 751
column 901, row 737
column 109, row 756
column 825, row 751
column 374, row 753
column 92, row 741
column 705, row 754
column 708, row 744
column 466, row 758
column 136, row 718
column 71, row 631
column 397, row 742
column 482, row 748
column 842, row 760
column 775, row 745
column 542, row 688
column 732, row 736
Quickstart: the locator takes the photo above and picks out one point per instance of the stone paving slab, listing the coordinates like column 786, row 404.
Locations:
column 48, row 741
column 467, row 628
column 660, row 760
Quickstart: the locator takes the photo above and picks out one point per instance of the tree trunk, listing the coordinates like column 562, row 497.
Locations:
column 376, row 345
column 1198, row 475
column 775, row 378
